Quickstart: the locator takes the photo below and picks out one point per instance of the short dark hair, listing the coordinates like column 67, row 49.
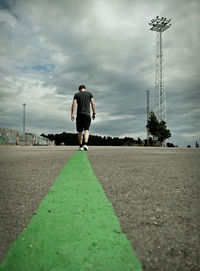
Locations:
column 81, row 86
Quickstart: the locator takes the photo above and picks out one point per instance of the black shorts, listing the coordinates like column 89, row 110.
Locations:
column 82, row 122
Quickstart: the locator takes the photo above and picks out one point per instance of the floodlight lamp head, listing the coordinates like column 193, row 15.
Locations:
column 159, row 24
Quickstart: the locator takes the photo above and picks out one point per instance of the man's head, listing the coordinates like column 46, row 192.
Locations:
column 82, row 88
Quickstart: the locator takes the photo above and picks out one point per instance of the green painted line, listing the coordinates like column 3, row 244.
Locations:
column 74, row 228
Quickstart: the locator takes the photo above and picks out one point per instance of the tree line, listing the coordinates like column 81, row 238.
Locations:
column 70, row 139
column 158, row 131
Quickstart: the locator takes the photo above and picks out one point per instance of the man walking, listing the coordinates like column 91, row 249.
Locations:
column 83, row 99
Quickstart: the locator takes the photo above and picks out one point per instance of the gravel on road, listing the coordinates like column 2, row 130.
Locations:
column 26, row 174
column 155, row 193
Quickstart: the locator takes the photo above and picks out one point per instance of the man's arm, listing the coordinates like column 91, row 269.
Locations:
column 93, row 108
column 73, row 109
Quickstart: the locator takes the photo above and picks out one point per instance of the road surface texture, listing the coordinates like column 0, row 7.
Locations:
column 154, row 191
column 26, row 175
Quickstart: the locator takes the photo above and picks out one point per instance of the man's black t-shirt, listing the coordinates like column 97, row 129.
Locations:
column 83, row 100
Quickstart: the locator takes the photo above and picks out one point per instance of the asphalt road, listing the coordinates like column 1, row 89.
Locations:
column 156, row 195
column 26, row 174
column 154, row 192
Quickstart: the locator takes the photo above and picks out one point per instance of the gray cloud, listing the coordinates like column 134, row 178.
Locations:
column 49, row 48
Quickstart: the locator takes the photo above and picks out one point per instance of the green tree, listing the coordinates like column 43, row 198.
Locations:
column 164, row 133
column 157, row 129
column 139, row 141
column 153, row 125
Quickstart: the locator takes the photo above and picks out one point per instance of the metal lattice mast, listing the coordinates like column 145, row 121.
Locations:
column 159, row 25
column 147, row 91
column 24, row 118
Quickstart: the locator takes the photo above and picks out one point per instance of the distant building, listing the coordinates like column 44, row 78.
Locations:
column 8, row 136
column 12, row 137
column 35, row 140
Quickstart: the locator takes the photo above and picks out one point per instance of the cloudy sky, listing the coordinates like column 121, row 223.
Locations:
column 48, row 48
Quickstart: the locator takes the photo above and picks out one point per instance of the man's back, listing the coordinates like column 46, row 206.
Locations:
column 83, row 100
column 83, row 120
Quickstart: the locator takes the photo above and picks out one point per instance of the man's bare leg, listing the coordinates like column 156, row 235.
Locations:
column 80, row 138
column 86, row 136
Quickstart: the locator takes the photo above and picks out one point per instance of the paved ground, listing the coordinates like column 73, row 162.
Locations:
column 26, row 174
column 74, row 228
column 155, row 193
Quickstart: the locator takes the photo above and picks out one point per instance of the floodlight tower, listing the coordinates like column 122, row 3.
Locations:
column 24, row 120
column 159, row 25
column 147, row 91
